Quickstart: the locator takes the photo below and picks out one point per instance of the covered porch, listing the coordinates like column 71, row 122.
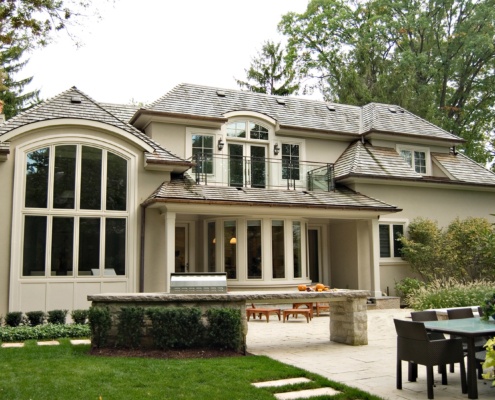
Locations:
column 263, row 239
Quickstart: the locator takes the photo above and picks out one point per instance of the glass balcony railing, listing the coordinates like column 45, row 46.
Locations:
column 261, row 172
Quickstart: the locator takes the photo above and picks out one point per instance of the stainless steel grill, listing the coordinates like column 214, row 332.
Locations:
column 198, row 282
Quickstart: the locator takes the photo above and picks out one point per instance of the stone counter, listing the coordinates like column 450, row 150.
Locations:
column 348, row 318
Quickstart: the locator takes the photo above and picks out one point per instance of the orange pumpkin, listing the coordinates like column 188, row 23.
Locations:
column 301, row 288
column 319, row 286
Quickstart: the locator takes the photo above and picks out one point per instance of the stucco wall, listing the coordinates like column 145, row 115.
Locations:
column 442, row 204
column 343, row 248
column 6, row 181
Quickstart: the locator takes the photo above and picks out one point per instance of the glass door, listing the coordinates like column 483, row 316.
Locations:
column 247, row 165
column 181, row 249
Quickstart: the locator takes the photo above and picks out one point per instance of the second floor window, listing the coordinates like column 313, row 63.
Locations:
column 202, row 152
column 290, row 161
column 247, row 130
column 416, row 159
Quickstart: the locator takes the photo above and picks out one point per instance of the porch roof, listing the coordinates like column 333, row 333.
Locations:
column 185, row 190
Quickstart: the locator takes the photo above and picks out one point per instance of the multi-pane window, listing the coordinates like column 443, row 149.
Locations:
column 389, row 245
column 415, row 159
column 297, row 250
column 290, row 161
column 75, row 212
column 254, row 249
column 278, row 249
column 247, row 130
column 202, row 152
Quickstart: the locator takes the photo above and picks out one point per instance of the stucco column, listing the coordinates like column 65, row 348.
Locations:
column 169, row 246
column 375, row 258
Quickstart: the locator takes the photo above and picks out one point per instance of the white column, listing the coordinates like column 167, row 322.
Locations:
column 169, row 247
column 375, row 257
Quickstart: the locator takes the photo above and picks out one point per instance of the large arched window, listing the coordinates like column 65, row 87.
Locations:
column 75, row 212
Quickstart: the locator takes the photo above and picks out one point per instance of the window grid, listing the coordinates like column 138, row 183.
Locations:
column 58, row 246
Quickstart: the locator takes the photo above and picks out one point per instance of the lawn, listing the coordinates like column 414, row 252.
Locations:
column 71, row 372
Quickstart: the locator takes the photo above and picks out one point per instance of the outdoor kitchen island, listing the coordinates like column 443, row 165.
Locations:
column 348, row 319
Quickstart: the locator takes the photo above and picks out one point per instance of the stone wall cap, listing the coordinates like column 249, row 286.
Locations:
column 332, row 295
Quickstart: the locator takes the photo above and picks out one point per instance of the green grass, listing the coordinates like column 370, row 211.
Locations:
column 70, row 372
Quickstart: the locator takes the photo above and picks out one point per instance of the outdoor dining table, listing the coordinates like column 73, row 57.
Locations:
column 470, row 329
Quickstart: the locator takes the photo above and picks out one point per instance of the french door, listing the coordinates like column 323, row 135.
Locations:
column 247, row 165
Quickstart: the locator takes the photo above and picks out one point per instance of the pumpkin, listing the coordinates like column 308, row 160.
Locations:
column 301, row 288
column 319, row 286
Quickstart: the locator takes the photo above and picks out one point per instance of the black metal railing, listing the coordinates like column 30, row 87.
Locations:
column 261, row 172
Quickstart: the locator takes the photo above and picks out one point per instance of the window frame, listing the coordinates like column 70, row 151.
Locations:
column 391, row 240
column 413, row 150
column 50, row 212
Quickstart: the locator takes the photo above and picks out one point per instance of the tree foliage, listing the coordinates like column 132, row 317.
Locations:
column 12, row 92
column 269, row 73
column 464, row 251
column 434, row 58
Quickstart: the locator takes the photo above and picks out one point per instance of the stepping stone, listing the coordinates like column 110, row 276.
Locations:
column 281, row 382
column 11, row 345
column 48, row 343
column 306, row 394
column 80, row 341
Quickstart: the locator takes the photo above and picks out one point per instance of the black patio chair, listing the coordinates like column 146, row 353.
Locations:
column 421, row 316
column 479, row 343
column 414, row 345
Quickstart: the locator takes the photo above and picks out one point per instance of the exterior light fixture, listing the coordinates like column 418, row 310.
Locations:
column 220, row 144
column 233, row 240
column 276, row 149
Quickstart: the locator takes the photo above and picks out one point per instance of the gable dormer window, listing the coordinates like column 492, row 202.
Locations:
column 417, row 158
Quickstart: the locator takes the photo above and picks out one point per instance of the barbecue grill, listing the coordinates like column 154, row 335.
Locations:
column 198, row 282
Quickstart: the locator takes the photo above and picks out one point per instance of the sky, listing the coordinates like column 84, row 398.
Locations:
column 140, row 50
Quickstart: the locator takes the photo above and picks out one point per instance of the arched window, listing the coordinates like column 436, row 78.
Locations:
column 75, row 212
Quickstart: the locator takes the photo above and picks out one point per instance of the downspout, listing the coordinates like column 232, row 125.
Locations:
column 141, row 255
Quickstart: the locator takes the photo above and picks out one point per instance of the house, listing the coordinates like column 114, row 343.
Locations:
column 274, row 191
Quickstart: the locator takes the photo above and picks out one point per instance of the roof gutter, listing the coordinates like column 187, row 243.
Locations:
column 144, row 112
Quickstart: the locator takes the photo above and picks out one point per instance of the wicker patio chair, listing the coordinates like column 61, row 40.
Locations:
column 427, row 315
column 479, row 343
column 414, row 345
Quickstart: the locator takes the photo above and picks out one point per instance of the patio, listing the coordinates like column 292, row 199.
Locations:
column 371, row 367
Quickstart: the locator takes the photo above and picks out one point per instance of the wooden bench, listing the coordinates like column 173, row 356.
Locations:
column 298, row 311
column 262, row 311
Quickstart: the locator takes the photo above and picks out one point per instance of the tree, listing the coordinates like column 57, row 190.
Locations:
column 24, row 25
column 465, row 250
column 435, row 58
column 11, row 91
column 30, row 23
column 269, row 73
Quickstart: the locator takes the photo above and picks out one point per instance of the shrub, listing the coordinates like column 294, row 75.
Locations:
column 79, row 316
column 43, row 332
column 464, row 251
column 176, row 327
column 100, row 323
column 130, row 327
column 36, row 317
column 405, row 286
column 225, row 328
column 449, row 293
column 13, row 318
column 57, row 316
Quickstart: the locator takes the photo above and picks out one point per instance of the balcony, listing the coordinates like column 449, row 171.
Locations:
column 261, row 172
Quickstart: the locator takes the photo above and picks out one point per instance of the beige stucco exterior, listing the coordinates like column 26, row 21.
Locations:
column 339, row 239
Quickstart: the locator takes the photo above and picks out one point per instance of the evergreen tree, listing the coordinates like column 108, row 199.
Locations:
column 11, row 90
column 269, row 73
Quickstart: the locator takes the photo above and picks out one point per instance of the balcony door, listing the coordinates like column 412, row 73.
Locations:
column 247, row 165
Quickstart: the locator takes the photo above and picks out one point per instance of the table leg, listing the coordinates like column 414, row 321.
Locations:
column 472, row 380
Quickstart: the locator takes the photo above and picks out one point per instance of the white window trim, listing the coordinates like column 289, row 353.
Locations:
column 70, row 136
column 391, row 222
column 246, row 119
column 201, row 131
column 425, row 150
